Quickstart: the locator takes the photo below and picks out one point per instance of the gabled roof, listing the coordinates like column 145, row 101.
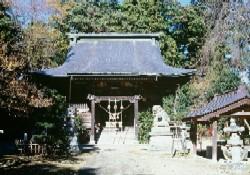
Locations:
column 220, row 102
column 115, row 54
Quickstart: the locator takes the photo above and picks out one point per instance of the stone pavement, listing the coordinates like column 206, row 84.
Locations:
column 138, row 160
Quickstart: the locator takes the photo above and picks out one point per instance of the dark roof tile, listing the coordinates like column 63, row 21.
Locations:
column 221, row 101
column 116, row 56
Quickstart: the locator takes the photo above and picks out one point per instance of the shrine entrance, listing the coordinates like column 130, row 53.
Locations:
column 114, row 112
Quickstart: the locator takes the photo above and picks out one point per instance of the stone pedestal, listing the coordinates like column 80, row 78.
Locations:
column 161, row 140
column 160, row 136
column 236, row 154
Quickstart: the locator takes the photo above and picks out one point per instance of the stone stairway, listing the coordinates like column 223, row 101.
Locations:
column 113, row 136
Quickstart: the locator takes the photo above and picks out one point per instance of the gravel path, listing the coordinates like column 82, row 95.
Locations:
column 138, row 160
column 122, row 160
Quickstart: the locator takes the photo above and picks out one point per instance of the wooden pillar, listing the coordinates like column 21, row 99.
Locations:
column 136, row 110
column 214, row 140
column 193, row 136
column 92, row 134
column 70, row 87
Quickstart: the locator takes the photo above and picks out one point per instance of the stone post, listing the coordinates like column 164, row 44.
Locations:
column 214, row 140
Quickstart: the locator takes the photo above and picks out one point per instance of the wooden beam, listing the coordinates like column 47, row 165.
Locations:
column 214, row 140
column 112, row 77
column 242, row 113
column 136, row 110
column 193, row 136
column 82, row 35
column 70, row 87
column 98, row 99
column 92, row 134
column 225, row 110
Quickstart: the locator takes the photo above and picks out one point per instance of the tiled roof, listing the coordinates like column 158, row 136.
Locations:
column 116, row 56
column 221, row 101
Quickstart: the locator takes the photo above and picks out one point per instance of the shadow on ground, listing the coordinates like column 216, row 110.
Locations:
column 32, row 165
column 88, row 148
column 87, row 171
column 45, row 169
column 208, row 153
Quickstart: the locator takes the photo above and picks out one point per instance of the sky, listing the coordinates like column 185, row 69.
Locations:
column 184, row 2
column 22, row 9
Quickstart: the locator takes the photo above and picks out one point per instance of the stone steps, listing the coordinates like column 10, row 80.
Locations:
column 113, row 136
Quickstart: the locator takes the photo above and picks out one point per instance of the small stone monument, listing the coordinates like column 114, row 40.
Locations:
column 160, row 136
column 234, row 149
column 181, row 142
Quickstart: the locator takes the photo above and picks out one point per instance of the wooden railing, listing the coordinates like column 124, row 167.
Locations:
column 30, row 148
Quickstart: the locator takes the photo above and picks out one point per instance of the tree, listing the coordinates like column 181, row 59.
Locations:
column 14, row 89
column 219, row 78
column 45, row 46
column 21, row 51
column 86, row 16
column 142, row 16
column 17, row 94
column 227, row 23
column 145, row 124
column 188, row 30
column 49, row 125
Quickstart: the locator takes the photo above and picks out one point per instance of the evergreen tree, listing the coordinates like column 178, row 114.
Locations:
column 141, row 16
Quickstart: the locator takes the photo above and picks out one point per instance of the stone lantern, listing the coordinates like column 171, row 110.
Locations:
column 234, row 149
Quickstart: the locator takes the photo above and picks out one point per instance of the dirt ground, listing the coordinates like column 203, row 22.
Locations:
column 124, row 160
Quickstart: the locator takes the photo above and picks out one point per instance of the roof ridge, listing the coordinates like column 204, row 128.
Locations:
column 220, row 101
column 236, row 90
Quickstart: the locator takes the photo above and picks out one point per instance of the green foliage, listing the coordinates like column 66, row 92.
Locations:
column 202, row 130
column 145, row 125
column 228, row 80
column 169, row 106
column 142, row 17
column 187, row 27
column 20, row 50
column 49, row 124
column 92, row 17
column 17, row 94
column 178, row 106
column 45, row 46
column 79, row 125
column 219, row 79
column 170, row 51
column 221, row 76
column 9, row 30
column 81, row 130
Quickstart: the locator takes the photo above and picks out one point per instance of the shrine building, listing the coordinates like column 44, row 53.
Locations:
column 116, row 75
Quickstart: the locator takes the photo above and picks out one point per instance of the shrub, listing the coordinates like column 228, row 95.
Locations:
column 145, row 124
